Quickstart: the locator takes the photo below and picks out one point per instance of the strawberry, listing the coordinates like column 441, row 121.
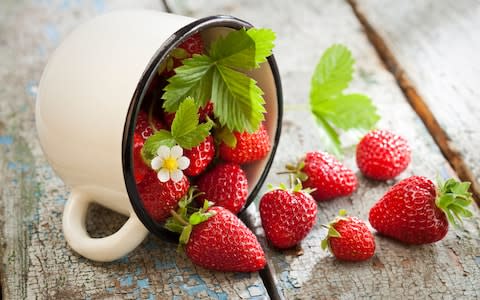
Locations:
column 382, row 155
column 140, row 169
column 158, row 197
column 200, row 156
column 192, row 45
column 224, row 243
column 414, row 211
column 349, row 239
column 214, row 238
column 249, row 147
column 322, row 172
column 145, row 127
column 226, row 185
column 287, row 215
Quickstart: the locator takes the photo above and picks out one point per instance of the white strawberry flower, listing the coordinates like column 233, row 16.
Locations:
column 169, row 163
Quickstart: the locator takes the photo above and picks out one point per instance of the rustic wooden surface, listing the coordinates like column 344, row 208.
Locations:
column 435, row 49
column 37, row 263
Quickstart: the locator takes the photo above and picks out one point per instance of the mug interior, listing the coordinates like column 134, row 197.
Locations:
column 268, row 79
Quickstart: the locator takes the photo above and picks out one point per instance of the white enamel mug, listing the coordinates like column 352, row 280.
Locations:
column 88, row 99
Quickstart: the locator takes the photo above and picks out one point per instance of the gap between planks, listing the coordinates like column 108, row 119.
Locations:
column 441, row 138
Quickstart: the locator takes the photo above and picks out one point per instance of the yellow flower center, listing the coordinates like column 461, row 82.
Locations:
column 170, row 163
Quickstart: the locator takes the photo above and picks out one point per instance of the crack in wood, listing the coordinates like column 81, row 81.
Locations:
column 441, row 138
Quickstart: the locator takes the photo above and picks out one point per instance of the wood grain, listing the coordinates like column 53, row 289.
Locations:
column 431, row 49
column 36, row 262
column 448, row 269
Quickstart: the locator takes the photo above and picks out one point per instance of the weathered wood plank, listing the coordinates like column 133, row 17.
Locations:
column 36, row 262
column 432, row 48
column 448, row 269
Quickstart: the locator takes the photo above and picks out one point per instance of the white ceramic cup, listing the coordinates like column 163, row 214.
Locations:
column 88, row 99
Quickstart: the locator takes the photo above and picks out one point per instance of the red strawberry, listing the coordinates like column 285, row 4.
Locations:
column 146, row 127
column 382, row 155
column 349, row 239
column 287, row 215
column 192, row 45
column 324, row 173
column 200, row 156
column 249, row 147
column 225, row 185
column 140, row 169
column 414, row 211
column 158, row 197
column 203, row 112
column 224, row 243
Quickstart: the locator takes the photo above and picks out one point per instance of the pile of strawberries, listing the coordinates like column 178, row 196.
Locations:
column 203, row 188
column 214, row 173
column 413, row 211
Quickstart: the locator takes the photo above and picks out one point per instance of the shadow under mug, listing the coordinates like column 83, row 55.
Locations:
column 88, row 100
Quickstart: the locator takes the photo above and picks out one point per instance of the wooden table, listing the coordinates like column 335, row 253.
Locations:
column 420, row 65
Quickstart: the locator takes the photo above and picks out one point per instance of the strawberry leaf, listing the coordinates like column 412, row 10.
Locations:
column 193, row 79
column 238, row 101
column 185, row 128
column 332, row 109
column 332, row 74
column 349, row 111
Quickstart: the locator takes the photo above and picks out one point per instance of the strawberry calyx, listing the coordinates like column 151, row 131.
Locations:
column 186, row 217
column 295, row 186
column 453, row 198
column 331, row 231
column 296, row 170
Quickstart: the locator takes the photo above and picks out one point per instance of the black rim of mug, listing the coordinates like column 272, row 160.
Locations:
column 137, row 100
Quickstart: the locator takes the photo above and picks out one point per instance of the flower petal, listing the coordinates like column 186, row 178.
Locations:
column 163, row 175
column 183, row 162
column 156, row 163
column 163, row 151
column 176, row 175
column 176, row 151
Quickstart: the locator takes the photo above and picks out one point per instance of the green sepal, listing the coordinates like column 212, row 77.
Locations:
column 453, row 199
column 185, row 235
column 331, row 231
column 174, row 226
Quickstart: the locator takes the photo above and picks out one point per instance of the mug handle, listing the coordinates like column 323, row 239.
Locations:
column 104, row 249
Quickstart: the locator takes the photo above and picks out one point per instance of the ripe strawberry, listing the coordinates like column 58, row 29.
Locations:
column 382, row 155
column 249, row 147
column 200, row 156
column 224, row 243
column 322, row 172
column 192, row 45
column 226, row 185
column 140, row 169
column 414, row 211
column 158, row 197
column 203, row 112
column 349, row 239
column 287, row 215
column 145, row 127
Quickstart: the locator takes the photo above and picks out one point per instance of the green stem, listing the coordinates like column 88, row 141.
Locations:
column 178, row 218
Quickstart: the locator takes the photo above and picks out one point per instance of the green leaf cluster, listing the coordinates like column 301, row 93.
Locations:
column 453, row 198
column 186, row 217
column 185, row 131
column 220, row 76
column 332, row 108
